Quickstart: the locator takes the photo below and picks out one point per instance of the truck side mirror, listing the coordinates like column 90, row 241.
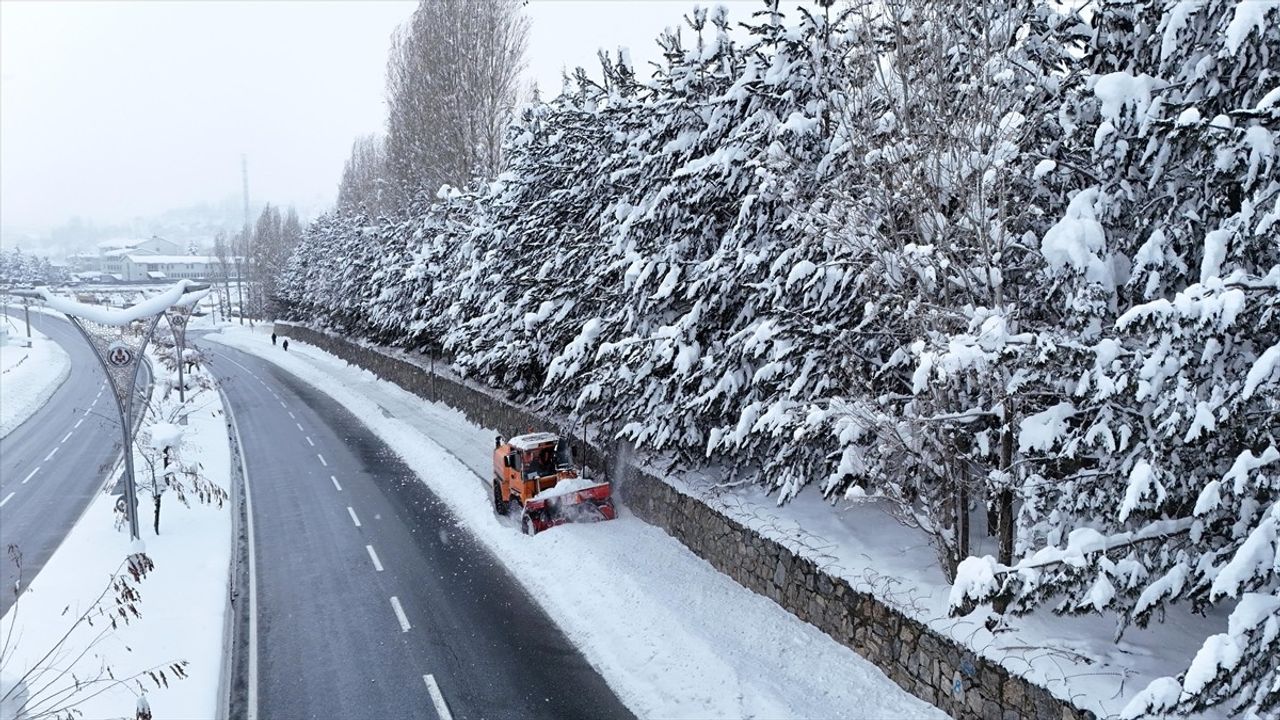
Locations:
column 506, row 461
column 497, row 443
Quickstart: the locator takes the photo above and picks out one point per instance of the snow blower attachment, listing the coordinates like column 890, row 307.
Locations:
column 534, row 475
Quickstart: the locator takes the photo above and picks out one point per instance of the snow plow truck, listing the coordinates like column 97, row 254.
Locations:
column 534, row 475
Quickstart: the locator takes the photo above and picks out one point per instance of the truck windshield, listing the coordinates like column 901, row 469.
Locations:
column 540, row 461
column 564, row 454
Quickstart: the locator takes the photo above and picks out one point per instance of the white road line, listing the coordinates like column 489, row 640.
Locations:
column 88, row 410
column 335, row 483
column 292, row 416
column 377, row 564
column 251, row 712
column 322, row 462
column 30, row 475
column 52, row 452
column 354, row 519
column 308, row 437
column 65, row 438
column 6, row 499
column 283, row 405
column 404, row 621
column 78, row 422
column 299, row 427
column 437, row 698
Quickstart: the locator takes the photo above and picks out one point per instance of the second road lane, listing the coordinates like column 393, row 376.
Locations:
column 371, row 601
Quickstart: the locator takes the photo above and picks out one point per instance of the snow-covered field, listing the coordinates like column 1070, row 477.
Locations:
column 672, row 636
column 182, row 605
column 28, row 375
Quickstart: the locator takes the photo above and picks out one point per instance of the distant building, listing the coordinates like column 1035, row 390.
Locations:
column 141, row 267
column 137, row 260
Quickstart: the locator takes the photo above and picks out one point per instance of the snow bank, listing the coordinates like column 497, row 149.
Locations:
column 671, row 635
column 565, row 487
column 28, row 378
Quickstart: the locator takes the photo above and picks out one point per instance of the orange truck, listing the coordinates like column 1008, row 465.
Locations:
column 534, row 474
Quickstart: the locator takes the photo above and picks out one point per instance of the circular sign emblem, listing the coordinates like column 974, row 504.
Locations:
column 119, row 355
column 178, row 320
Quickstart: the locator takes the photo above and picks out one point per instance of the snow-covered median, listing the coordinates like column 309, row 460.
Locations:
column 28, row 377
column 672, row 636
column 182, row 600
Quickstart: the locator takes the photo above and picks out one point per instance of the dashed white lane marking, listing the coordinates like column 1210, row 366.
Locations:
column 30, row 475
column 52, row 452
column 335, row 483
column 65, row 438
column 78, row 422
column 283, row 405
column 354, row 519
column 404, row 621
column 308, row 437
column 292, row 416
column 437, row 698
column 6, row 499
column 88, row 410
column 377, row 564
column 322, row 462
column 299, row 427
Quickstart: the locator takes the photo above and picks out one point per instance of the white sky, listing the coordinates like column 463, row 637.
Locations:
column 114, row 110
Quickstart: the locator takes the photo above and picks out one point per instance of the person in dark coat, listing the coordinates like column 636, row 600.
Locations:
column 273, row 338
column 286, row 344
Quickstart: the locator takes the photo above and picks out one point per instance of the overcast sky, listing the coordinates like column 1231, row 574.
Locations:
column 115, row 110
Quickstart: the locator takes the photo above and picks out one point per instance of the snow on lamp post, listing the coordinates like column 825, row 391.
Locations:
column 178, row 315
column 119, row 338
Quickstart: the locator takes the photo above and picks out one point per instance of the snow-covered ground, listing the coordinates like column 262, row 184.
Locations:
column 1075, row 657
column 672, row 636
column 183, row 600
column 28, row 375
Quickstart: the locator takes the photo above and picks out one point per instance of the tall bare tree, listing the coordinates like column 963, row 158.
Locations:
column 222, row 273
column 453, row 81
column 363, row 177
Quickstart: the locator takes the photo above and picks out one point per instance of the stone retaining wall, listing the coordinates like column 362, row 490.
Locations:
column 924, row 663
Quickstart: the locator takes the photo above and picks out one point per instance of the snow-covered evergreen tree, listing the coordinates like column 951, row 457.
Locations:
column 998, row 260
column 1161, row 482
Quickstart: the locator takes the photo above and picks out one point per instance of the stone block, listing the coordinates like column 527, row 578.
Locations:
column 1011, row 691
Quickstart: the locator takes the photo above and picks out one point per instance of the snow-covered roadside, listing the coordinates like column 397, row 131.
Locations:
column 671, row 635
column 182, row 605
column 28, row 376
column 1075, row 657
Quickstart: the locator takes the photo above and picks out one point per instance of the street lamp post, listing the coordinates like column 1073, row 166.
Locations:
column 119, row 349
column 177, row 317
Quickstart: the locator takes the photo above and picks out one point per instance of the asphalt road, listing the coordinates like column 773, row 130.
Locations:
column 52, row 464
column 371, row 601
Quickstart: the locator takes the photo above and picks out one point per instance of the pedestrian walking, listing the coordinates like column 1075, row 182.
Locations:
column 286, row 344
column 273, row 338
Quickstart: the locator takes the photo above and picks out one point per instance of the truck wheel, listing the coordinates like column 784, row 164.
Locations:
column 526, row 525
column 499, row 505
